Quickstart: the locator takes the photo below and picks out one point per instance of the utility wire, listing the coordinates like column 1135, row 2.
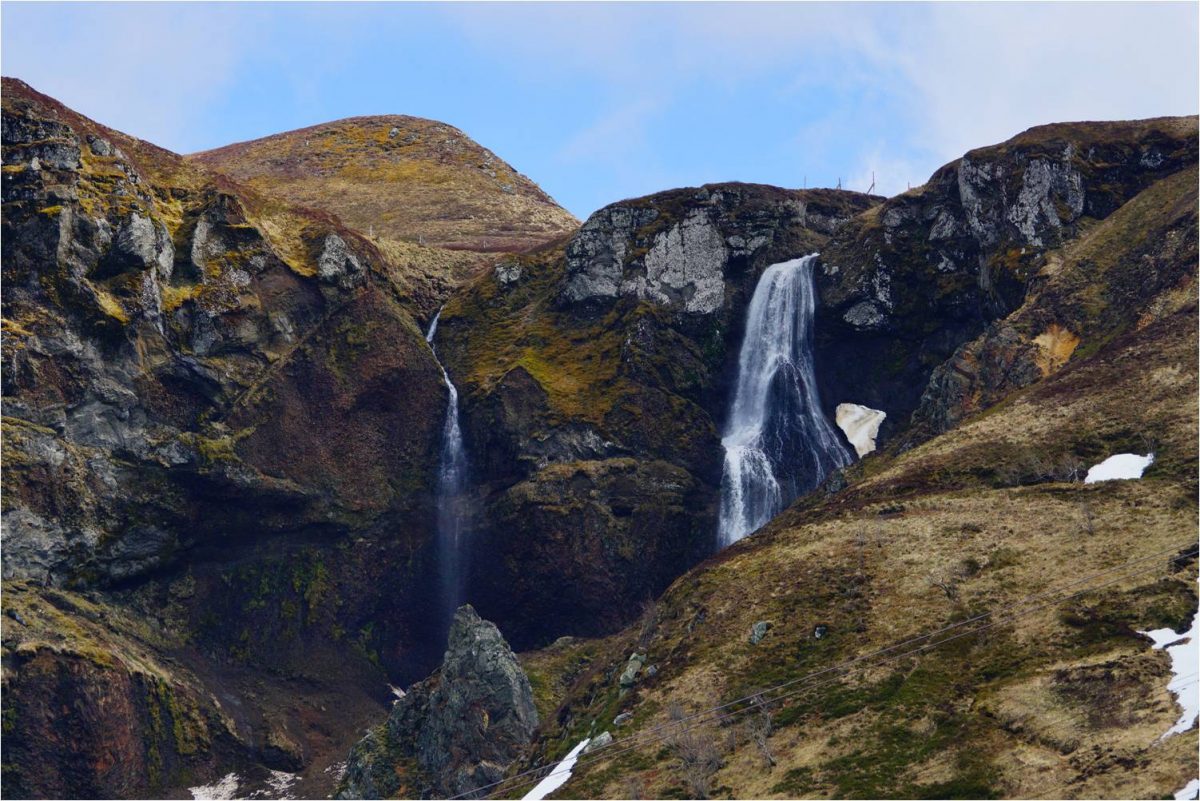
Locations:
column 645, row 737
column 704, row 716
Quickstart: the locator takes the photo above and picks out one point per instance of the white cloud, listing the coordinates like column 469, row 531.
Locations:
column 144, row 68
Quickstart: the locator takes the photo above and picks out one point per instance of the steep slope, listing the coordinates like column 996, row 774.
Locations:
column 1061, row 701
column 413, row 186
column 594, row 376
column 909, row 282
column 220, row 419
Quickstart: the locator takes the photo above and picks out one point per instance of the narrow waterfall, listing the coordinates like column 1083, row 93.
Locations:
column 778, row 443
column 452, row 477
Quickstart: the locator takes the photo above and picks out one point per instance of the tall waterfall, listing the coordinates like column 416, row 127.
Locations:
column 778, row 443
column 452, row 477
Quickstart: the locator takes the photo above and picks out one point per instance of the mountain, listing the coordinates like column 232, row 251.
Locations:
column 221, row 427
column 411, row 185
column 223, row 434
column 1045, row 324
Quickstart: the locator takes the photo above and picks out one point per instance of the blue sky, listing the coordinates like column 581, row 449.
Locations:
column 601, row 102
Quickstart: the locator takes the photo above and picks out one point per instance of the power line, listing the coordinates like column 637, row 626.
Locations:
column 643, row 738
column 847, row 663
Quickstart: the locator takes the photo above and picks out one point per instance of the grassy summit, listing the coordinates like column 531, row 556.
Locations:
column 402, row 179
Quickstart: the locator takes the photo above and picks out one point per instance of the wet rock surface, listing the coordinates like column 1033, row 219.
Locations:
column 593, row 392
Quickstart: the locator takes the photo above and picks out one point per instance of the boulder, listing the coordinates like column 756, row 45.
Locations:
column 460, row 729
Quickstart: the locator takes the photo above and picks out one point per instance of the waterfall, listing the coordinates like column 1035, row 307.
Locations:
column 778, row 443
column 452, row 476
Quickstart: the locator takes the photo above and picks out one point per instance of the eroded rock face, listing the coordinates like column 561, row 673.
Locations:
column 593, row 392
column 202, row 412
column 905, row 285
column 678, row 249
column 1155, row 237
column 460, row 728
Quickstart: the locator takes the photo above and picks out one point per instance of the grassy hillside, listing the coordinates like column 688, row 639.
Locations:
column 1066, row 701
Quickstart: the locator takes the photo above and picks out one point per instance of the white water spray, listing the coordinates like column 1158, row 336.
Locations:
column 452, row 477
column 778, row 442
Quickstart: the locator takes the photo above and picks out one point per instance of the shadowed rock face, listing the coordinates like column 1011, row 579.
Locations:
column 207, row 399
column 595, row 380
column 461, row 728
column 907, row 283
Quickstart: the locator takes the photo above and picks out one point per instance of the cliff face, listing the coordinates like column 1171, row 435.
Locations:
column 222, row 425
column 208, row 396
column 595, row 376
column 906, row 284
column 984, row 517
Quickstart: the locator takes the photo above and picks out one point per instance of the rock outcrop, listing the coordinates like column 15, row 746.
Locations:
column 217, row 413
column 595, row 377
column 904, row 285
column 454, row 732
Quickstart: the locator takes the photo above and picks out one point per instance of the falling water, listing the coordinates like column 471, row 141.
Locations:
column 452, row 475
column 778, row 443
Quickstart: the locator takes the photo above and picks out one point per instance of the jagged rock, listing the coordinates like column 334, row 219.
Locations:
column 904, row 287
column 622, row 719
column 461, row 728
column 338, row 265
column 758, row 631
column 676, row 249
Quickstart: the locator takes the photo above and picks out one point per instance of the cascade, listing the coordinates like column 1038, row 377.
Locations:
column 778, row 442
column 452, row 476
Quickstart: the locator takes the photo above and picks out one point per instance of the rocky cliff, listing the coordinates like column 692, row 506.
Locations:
column 983, row 517
column 906, row 284
column 454, row 732
column 217, row 411
column 595, row 375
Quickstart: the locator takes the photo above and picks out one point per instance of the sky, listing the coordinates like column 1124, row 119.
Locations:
column 600, row 102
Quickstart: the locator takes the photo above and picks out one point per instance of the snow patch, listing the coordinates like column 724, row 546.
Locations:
column 1119, row 466
column 557, row 777
column 1184, row 650
column 279, row 786
column 224, row 788
column 1191, row 791
column 860, row 424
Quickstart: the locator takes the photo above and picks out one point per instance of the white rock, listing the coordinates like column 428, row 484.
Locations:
column 1119, row 466
column 860, row 424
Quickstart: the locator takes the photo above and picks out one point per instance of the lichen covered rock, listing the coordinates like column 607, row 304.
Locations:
column 454, row 732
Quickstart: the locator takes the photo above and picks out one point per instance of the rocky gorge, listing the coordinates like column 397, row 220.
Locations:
column 223, row 434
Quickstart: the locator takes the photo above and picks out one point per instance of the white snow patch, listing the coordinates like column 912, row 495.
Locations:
column 1119, row 466
column 860, row 424
column 338, row 769
column 557, row 777
column 1191, row 791
column 279, row 786
column 1184, row 650
column 224, row 788
column 396, row 691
